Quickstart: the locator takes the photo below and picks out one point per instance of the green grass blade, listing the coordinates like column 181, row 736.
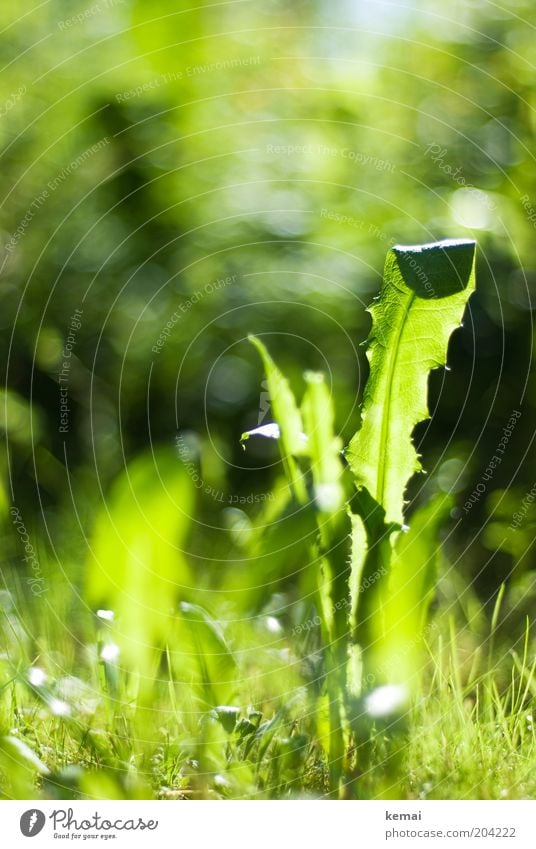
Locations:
column 284, row 407
column 324, row 447
column 287, row 417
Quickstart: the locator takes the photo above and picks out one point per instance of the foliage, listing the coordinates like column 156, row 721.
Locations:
column 174, row 609
column 424, row 293
column 423, row 296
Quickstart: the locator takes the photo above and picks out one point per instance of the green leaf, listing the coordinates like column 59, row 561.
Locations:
column 201, row 655
column 414, row 565
column 284, row 407
column 408, row 592
column 20, row 768
column 422, row 299
column 324, row 447
column 227, row 715
column 18, row 755
column 333, row 523
column 136, row 564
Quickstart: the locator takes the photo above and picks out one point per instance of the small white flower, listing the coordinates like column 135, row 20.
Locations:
column 386, row 700
column 270, row 431
column 328, row 497
column 59, row 708
column 37, row 676
column 107, row 615
column 110, row 652
column 273, row 625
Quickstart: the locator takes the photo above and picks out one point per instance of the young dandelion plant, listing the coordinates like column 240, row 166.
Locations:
column 374, row 577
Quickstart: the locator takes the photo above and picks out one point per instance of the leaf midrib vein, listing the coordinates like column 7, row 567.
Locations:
column 386, row 414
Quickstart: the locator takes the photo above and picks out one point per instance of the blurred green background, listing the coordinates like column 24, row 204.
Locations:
column 151, row 150
column 174, row 178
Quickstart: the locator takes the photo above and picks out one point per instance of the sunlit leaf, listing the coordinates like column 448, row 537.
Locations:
column 324, row 448
column 137, row 567
column 422, row 300
column 19, row 767
column 284, row 407
column 202, row 656
column 404, row 602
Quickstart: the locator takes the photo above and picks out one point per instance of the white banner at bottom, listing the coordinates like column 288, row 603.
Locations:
column 306, row 824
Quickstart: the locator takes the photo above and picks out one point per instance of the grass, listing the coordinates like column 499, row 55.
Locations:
column 299, row 660
column 305, row 667
column 474, row 741
column 76, row 725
